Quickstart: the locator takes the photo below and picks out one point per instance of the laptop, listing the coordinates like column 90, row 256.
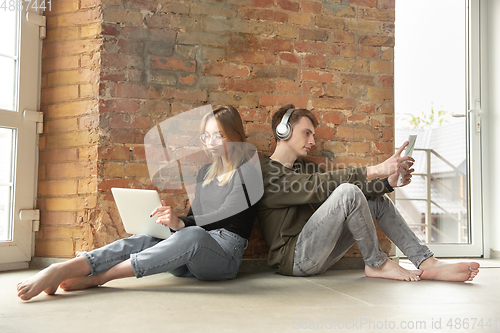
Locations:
column 135, row 207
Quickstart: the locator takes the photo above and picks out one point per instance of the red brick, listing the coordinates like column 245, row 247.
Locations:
column 138, row 153
column 189, row 95
column 263, row 14
column 311, row 7
column 113, row 74
column 336, row 90
column 355, row 133
column 316, row 35
column 313, row 89
column 126, row 136
column 110, row 29
column 262, row 3
column 287, row 87
column 379, row 15
column 141, row 4
column 255, row 85
column 253, row 115
column 107, row 184
column 228, row 69
column 388, row 134
column 130, row 90
column 253, row 128
column 364, row 3
column 288, row 5
column 333, row 103
column 254, row 57
column 289, row 59
column 272, row 45
column 324, row 132
column 356, row 117
column 333, row 117
column 173, row 64
column 310, row 75
column 377, row 40
column 384, row 147
column 380, row 93
column 188, row 79
column 315, row 61
column 344, row 37
column 367, row 107
column 114, row 152
column 280, row 100
column 114, row 60
column 114, row 105
column 386, row 4
column 386, row 81
column 367, row 52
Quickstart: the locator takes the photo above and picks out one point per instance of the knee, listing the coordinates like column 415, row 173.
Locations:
column 193, row 234
column 349, row 191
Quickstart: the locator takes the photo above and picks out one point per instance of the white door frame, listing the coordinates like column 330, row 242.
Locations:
column 475, row 50
column 17, row 253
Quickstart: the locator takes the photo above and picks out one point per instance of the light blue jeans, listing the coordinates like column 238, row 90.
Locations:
column 191, row 251
column 345, row 218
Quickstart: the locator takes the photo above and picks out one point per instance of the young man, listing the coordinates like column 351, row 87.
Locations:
column 310, row 218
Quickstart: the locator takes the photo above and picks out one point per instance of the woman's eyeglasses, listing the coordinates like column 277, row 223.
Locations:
column 217, row 138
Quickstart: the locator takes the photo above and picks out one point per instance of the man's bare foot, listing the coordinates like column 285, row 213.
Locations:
column 390, row 270
column 80, row 283
column 433, row 269
column 46, row 280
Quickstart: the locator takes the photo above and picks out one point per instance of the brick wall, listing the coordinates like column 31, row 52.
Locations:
column 115, row 68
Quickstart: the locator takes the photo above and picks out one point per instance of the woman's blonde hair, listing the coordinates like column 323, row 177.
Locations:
column 229, row 122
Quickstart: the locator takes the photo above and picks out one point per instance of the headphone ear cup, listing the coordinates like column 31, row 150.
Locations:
column 283, row 131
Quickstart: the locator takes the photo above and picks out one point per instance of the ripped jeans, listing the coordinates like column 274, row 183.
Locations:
column 191, row 251
column 345, row 218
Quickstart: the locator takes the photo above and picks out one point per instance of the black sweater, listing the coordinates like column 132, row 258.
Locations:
column 214, row 206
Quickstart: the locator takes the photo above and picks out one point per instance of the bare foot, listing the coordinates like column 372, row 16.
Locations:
column 438, row 270
column 390, row 270
column 79, row 283
column 46, row 280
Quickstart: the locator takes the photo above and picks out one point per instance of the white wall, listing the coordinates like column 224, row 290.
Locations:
column 491, row 130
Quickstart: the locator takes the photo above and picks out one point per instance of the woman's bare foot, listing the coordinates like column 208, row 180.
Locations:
column 433, row 269
column 390, row 270
column 46, row 280
column 80, row 283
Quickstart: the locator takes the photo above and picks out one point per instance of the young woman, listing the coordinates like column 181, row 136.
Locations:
column 202, row 245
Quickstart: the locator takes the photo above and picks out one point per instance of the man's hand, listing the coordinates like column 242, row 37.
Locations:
column 393, row 179
column 167, row 217
column 393, row 165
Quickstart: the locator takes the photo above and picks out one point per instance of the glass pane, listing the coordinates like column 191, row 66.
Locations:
column 5, row 210
column 8, row 28
column 7, row 83
column 7, row 148
column 430, row 87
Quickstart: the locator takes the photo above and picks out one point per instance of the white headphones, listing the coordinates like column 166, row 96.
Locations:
column 284, row 129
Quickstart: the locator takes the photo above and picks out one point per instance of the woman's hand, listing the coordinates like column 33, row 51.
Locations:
column 167, row 217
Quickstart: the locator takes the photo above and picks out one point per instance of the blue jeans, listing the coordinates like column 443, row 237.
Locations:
column 345, row 218
column 191, row 251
